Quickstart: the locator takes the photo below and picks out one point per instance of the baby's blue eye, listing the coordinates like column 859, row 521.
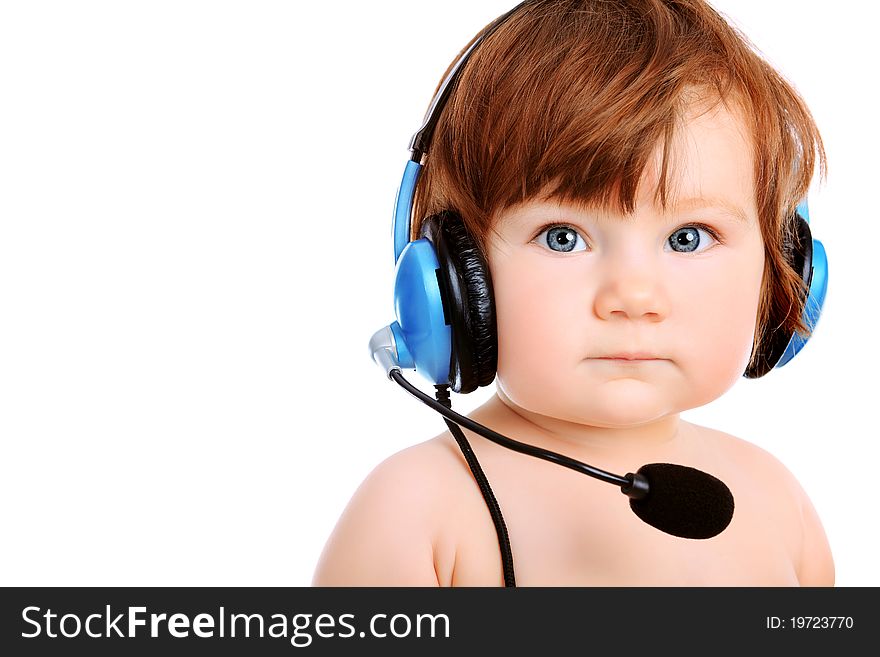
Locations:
column 688, row 238
column 562, row 239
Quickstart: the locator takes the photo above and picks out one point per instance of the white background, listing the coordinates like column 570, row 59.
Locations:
column 195, row 205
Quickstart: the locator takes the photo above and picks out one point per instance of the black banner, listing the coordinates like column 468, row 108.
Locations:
column 397, row 621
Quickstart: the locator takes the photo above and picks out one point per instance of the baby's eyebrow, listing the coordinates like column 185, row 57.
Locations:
column 703, row 203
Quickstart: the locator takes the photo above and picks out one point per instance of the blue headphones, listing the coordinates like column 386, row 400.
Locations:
column 443, row 298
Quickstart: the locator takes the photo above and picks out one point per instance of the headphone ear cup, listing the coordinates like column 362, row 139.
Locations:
column 468, row 301
column 780, row 347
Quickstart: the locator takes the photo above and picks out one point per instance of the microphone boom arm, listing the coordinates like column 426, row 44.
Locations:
column 634, row 485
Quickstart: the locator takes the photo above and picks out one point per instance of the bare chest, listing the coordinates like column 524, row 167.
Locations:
column 568, row 530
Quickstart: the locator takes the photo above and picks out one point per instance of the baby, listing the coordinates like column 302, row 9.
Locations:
column 629, row 170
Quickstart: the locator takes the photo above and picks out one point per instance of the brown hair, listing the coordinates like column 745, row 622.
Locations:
column 572, row 97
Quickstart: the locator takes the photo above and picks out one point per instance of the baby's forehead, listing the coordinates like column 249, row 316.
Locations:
column 707, row 159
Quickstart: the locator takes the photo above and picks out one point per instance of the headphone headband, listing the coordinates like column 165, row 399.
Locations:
column 421, row 140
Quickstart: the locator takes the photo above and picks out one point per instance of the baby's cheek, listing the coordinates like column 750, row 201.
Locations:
column 533, row 351
column 720, row 347
column 525, row 350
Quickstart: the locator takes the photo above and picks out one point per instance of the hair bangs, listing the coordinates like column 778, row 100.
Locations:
column 579, row 119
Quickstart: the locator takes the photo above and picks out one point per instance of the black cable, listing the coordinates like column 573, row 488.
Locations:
column 442, row 395
column 504, row 441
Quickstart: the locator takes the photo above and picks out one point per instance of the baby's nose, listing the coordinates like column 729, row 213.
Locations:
column 632, row 290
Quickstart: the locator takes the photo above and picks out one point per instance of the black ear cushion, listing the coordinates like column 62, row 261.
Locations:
column 799, row 255
column 469, row 305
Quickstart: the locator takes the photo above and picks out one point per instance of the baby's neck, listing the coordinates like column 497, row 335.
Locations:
column 655, row 440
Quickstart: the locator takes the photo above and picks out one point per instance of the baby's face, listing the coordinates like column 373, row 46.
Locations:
column 615, row 321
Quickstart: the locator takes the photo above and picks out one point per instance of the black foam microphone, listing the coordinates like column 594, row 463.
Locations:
column 684, row 501
column 675, row 499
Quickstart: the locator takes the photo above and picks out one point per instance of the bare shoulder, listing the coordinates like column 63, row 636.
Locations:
column 391, row 531
column 744, row 455
column 758, row 474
